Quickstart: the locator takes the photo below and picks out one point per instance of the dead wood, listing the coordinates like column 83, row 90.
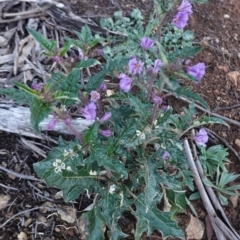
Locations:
column 16, row 119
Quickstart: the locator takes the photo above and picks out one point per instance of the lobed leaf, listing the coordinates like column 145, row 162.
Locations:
column 44, row 42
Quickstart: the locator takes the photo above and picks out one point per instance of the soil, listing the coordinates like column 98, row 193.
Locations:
column 217, row 29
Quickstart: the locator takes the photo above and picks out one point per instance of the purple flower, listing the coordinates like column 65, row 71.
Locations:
column 165, row 108
column 157, row 99
column 201, row 138
column 89, row 112
column 166, row 155
column 135, row 66
column 180, row 20
column 94, row 96
column 105, row 133
column 56, row 58
column 146, row 43
column 80, row 53
column 157, row 64
column 103, row 87
column 106, row 117
column 185, row 7
column 100, row 51
column 52, row 124
column 197, row 70
column 125, row 82
column 36, row 87
column 67, row 121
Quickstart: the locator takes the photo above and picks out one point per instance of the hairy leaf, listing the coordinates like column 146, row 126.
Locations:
column 155, row 219
column 18, row 95
column 44, row 42
column 39, row 111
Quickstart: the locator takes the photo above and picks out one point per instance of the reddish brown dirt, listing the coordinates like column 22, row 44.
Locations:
column 217, row 29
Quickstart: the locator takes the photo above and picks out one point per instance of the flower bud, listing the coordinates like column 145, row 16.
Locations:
column 105, row 133
column 106, row 117
column 52, row 124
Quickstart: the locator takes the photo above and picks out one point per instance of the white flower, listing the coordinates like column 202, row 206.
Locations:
column 92, row 173
column 69, row 168
column 138, row 133
column 58, row 165
column 142, row 136
column 112, row 189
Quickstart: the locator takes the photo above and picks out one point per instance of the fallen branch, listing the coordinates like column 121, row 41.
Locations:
column 19, row 175
column 17, row 120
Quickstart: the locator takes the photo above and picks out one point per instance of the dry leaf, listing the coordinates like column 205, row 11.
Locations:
column 4, row 199
column 67, row 214
column 195, row 229
column 237, row 142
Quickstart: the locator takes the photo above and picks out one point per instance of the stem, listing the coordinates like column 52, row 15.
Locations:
column 153, row 78
column 75, row 132
column 155, row 107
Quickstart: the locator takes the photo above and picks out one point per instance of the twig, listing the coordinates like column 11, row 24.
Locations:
column 205, row 110
column 25, row 211
column 19, row 175
column 225, row 108
column 11, row 188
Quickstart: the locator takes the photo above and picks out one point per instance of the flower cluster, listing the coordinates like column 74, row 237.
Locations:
column 181, row 18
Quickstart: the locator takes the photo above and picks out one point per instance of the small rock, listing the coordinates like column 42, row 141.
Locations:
column 11, row 176
column 45, row 206
column 237, row 142
column 226, row 16
column 22, row 236
column 4, row 199
column 57, row 229
column 41, row 218
column 28, row 222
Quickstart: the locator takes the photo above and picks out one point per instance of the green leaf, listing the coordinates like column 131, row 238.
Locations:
column 113, row 204
column 39, row 111
column 97, row 154
column 95, row 222
column 152, row 194
column 95, row 81
column 85, row 35
column 186, row 52
column 70, row 83
column 92, row 133
column 44, row 42
column 27, row 89
column 85, row 63
column 156, row 219
column 64, row 49
column 55, row 82
column 210, row 120
column 189, row 94
column 65, row 169
column 18, row 95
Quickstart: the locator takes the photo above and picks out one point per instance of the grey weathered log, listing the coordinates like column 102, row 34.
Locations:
column 17, row 120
